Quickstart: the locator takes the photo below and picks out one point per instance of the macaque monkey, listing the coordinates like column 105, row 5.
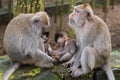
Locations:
column 23, row 43
column 67, row 48
column 94, row 42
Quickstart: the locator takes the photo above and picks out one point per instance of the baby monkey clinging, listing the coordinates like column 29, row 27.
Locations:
column 67, row 47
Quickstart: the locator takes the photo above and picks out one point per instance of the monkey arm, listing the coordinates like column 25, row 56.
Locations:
column 41, row 56
column 65, row 57
column 61, row 51
column 71, row 49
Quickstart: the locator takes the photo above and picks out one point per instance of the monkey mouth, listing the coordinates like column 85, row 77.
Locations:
column 71, row 21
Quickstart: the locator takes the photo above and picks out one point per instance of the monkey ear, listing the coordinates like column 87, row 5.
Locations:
column 35, row 20
column 89, row 11
column 45, row 18
column 89, row 16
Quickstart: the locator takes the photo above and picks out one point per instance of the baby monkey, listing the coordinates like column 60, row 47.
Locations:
column 46, row 40
column 67, row 47
column 45, row 36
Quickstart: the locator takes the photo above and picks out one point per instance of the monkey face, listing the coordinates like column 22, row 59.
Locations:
column 60, row 40
column 79, row 15
column 45, row 36
column 39, row 21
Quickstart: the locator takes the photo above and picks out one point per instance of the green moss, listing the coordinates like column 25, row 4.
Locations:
column 115, row 52
column 31, row 73
column 1, row 74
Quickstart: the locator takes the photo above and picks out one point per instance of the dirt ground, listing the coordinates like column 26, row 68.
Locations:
column 113, row 21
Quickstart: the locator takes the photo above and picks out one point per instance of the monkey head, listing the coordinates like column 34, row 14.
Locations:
column 61, row 37
column 44, row 17
column 80, row 14
column 45, row 36
column 39, row 21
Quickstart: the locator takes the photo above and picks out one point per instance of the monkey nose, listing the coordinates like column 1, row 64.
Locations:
column 71, row 16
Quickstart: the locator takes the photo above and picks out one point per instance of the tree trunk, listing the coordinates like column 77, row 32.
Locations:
column 61, row 14
column 56, row 11
column 31, row 2
column 10, row 9
column 112, row 3
column 36, row 6
column 92, row 4
column 42, row 7
column 26, row 6
column 106, row 6
column 15, row 7
column 0, row 4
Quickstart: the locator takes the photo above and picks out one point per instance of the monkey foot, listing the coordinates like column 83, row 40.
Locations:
column 76, row 73
column 66, row 64
column 72, row 69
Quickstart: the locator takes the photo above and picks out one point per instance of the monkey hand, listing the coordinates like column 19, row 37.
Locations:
column 76, row 73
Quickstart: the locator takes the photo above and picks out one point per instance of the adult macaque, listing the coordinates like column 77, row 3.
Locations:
column 67, row 48
column 23, row 42
column 94, row 42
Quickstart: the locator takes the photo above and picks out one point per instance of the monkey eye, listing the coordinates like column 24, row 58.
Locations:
column 37, row 20
column 76, row 10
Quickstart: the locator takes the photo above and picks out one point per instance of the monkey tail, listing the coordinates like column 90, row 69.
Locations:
column 11, row 70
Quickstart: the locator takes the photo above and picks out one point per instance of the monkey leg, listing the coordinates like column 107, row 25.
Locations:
column 108, row 71
column 69, row 63
column 66, row 57
column 76, row 62
column 87, row 62
column 42, row 59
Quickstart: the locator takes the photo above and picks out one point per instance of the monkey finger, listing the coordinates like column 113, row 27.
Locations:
column 66, row 64
column 72, row 69
column 69, row 70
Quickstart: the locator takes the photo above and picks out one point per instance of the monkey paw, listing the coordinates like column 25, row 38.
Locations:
column 72, row 69
column 76, row 73
column 66, row 64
